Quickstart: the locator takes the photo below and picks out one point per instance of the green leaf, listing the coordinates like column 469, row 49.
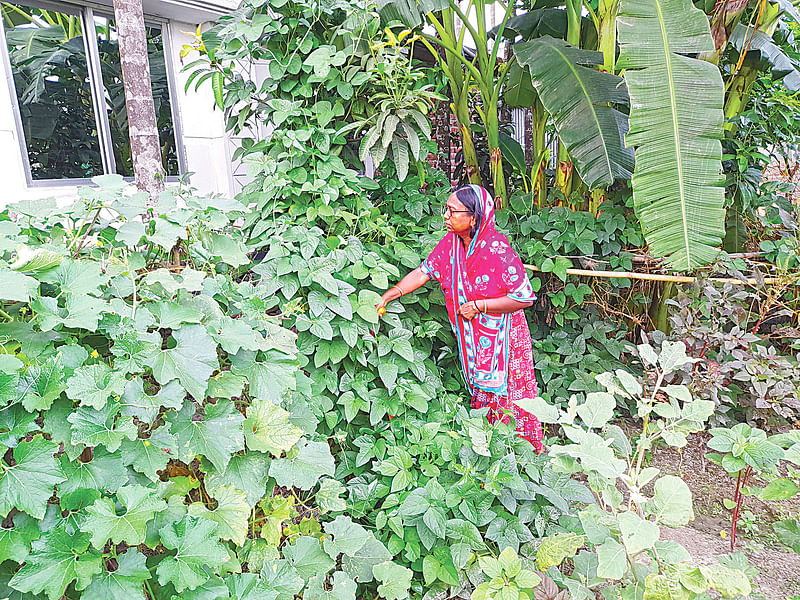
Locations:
column 218, row 86
column 395, row 580
column 307, row 557
column 304, row 470
column 247, row 472
column 759, row 41
column 360, row 565
column 788, row 531
column 28, row 484
column 57, row 559
column 101, row 427
column 104, row 473
column 555, row 548
column 191, row 361
column 671, row 503
column 15, row 542
column 365, row 306
column 216, row 437
column 94, row 384
column 197, row 546
column 134, row 350
column 611, row 560
column 16, row 286
column 341, row 587
column 136, row 403
column 267, row 428
column 41, row 384
column 35, row 260
column 15, row 421
column 268, row 379
column 597, row 410
column 731, row 583
column 779, row 489
column 580, row 99
column 79, row 277
column 148, row 456
column 103, row 523
column 545, row 412
column 171, row 315
column 231, row 513
column 124, row 583
column 637, row 533
column 676, row 122
column 346, row 537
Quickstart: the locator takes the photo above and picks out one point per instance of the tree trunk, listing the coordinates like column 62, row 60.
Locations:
column 142, row 126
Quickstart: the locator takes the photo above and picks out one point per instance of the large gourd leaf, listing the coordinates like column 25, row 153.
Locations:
column 676, row 126
column 780, row 64
column 579, row 99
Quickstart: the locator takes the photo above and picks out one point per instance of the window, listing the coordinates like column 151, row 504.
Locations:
column 70, row 95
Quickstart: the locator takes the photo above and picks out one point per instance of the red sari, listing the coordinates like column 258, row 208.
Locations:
column 494, row 349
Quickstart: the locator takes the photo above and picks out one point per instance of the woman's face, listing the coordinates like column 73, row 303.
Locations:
column 457, row 218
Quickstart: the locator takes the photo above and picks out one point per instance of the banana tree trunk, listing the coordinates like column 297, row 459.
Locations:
column 538, row 143
column 565, row 166
column 607, row 35
column 739, row 93
column 460, row 91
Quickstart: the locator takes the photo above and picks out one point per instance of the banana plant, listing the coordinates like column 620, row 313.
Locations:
column 676, row 127
column 484, row 70
column 580, row 100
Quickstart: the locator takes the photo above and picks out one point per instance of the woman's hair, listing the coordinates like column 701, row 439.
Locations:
column 469, row 198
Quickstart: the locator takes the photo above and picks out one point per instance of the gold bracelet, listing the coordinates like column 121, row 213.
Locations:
column 402, row 293
column 484, row 305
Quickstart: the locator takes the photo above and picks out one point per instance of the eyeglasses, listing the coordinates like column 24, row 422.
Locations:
column 447, row 211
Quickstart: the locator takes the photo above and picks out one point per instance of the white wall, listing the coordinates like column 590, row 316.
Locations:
column 199, row 127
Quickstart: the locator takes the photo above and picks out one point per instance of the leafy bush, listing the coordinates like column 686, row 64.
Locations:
column 626, row 556
column 741, row 368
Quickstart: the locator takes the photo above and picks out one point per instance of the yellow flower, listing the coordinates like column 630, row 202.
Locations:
column 95, row 354
column 723, row 534
column 146, row 443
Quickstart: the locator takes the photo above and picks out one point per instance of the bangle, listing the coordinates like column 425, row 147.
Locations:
column 399, row 289
column 484, row 305
column 475, row 304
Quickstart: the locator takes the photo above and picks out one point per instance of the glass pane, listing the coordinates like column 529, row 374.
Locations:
column 48, row 62
column 115, row 96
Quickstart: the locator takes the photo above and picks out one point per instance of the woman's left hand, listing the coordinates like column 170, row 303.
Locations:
column 468, row 310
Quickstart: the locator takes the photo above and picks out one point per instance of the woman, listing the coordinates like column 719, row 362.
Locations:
column 485, row 289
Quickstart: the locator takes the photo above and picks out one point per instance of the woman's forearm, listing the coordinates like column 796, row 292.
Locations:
column 501, row 305
column 411, row 282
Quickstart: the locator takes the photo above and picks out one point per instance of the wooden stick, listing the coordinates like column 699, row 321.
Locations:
column 675, row 278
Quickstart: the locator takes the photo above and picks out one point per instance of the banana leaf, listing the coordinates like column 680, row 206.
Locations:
column 518, row 91
column 546, row 21
column 781, row 65
column 675, row 125
column 409, row 12
column 580, row 101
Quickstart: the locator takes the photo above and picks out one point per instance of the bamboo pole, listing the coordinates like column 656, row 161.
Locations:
column 673, row 278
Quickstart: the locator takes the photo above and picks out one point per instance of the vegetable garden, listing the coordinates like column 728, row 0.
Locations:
column 199, row 401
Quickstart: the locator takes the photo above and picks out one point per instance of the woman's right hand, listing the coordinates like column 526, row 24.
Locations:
column 381, row 306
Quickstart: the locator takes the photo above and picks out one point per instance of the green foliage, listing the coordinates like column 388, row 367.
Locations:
column 622, row 529
column 744, row 366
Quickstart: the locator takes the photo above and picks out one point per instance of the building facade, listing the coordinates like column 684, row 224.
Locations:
column 62, row 106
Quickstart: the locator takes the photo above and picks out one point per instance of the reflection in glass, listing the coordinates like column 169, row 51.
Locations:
column 48, row 63
column 115, row 96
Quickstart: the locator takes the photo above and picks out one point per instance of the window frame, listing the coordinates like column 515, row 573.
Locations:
column 85, row 11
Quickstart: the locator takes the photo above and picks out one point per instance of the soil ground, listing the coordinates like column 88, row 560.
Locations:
column 779, row 566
